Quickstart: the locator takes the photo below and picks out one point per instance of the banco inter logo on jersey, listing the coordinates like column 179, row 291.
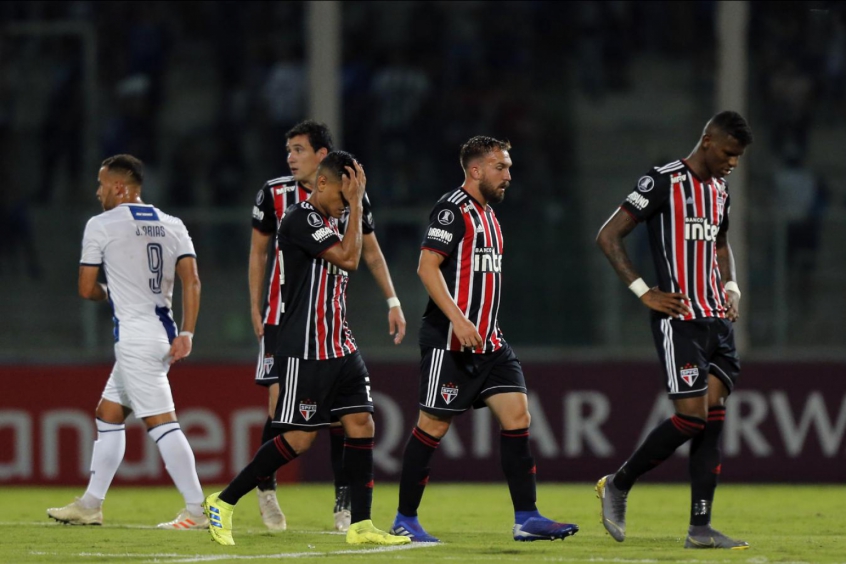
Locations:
column 700, row 229
column 487, row 260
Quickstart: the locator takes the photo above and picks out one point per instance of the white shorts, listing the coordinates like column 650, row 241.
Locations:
column 139, row 378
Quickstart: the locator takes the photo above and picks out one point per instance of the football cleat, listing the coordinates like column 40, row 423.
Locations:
column 342, row 508
column 541, row 528
column 711, row 538
column 364, row 532
column 219, row 514
column 271, row 513
column 410, row 527
column 613, row 512
column 186, row 520
column 76, row 514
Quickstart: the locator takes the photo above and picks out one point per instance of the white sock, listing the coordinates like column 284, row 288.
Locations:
column 105, row 459
column 179, row 461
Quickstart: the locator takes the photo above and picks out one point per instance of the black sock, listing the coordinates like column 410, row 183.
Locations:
column 705, row 466
column 268, row 433
column 415, row 470
column 658, row 446
column 336, row 444
column 519, row 467
column 272, row 455
column 358, row 466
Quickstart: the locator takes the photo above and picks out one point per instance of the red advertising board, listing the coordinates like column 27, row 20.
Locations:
column 785, row 423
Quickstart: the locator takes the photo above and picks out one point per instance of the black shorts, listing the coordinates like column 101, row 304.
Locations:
column 314, row 392
column 452, row 382
column 266, row 373
column 690, row 350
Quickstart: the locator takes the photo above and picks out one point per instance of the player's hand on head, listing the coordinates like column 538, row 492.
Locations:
column 671, row 303
column 352, row 186
column 179, row 349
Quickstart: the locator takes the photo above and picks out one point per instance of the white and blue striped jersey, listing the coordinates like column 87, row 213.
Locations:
column 138, row 246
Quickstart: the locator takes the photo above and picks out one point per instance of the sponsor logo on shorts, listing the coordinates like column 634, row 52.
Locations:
column 637, row 200
column 439, row 235
column 689, row 374
column 268, row 364
column 307, row 409
column 449, row 392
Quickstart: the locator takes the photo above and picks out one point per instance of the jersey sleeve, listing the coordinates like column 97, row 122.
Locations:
column 368, row 225
column 309, row 231
column 648, row 196
column 93, row 244
column 446, row 228
column 264, row 214
column 184, row 244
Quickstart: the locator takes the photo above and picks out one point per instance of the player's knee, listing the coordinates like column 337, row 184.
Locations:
column 359, row 425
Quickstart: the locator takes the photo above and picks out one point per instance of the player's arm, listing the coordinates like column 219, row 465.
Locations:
column 186, row 269
column 610, row 240
column 346, row 254
column 259, row 245
column 89, row 287
column 375, row 261
column 429, row 270
column 725, row 262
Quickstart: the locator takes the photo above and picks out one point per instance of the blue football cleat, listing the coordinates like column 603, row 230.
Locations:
column 410, row 527
column 541, row 528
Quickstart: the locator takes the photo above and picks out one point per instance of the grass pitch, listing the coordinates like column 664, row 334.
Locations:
column 781, row 523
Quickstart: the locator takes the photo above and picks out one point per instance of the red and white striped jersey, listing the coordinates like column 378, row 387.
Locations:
column 313, row 292
column 683, row 215
column 272, row 200
column 468, row 235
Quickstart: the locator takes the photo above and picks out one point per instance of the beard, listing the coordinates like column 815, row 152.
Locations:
column 491, row 193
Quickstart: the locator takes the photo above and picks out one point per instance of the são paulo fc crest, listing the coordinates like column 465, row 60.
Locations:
column 449, row 392
column 268, row 364
column 689, row 374
column 307, row 409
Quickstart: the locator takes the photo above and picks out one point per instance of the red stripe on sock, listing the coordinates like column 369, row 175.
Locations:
column 687, row 427
column 284, row 450
column 534, row 469
column 512, row 435
column 370, row 484
column 718, row 469
column 359, row 447
column 424, row 481
column 425, row 439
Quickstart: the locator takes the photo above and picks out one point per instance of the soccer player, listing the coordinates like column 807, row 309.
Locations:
column 308, row 143
column 140, row 249
column 466, row 361
column 325, row 376
column 685, row 205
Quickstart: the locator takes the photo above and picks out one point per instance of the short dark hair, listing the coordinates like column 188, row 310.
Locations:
column 479, row 146
column 335, row 163
column 132, row 166
column 732, row 123
column 318, row 134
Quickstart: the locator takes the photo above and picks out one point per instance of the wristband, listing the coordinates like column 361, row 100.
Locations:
column 188, row 334
column 393, row 302
column 639, row 287
column 731, row 286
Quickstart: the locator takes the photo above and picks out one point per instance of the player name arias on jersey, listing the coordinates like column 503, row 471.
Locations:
column 685, row 217
column 469, row 236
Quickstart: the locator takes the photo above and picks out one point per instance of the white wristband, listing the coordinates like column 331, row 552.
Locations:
column 393, row 302
column 731, row 286
column 639, row 287
column 188, row 334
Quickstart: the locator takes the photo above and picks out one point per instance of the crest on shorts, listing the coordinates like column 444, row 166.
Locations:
column 307, row 409
column 689, row 374
column 449, row 392
column 268, row 364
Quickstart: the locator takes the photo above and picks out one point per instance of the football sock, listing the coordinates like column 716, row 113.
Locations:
column 336, row 445
column 179, row 462
column 415, row 470
column 662, row 442
column 358, row 467
column 269, row 458
column 705, row 467
column 519, row 468
column 107, row 455
column 268, row 433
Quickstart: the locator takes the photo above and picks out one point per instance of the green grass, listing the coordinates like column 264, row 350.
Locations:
column 782, row 523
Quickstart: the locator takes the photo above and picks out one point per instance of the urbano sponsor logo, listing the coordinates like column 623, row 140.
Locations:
column 440, row 235
column 700, row 229
column 487, row 260
column 637, row 200
column 322, row 234
column 257, row 213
